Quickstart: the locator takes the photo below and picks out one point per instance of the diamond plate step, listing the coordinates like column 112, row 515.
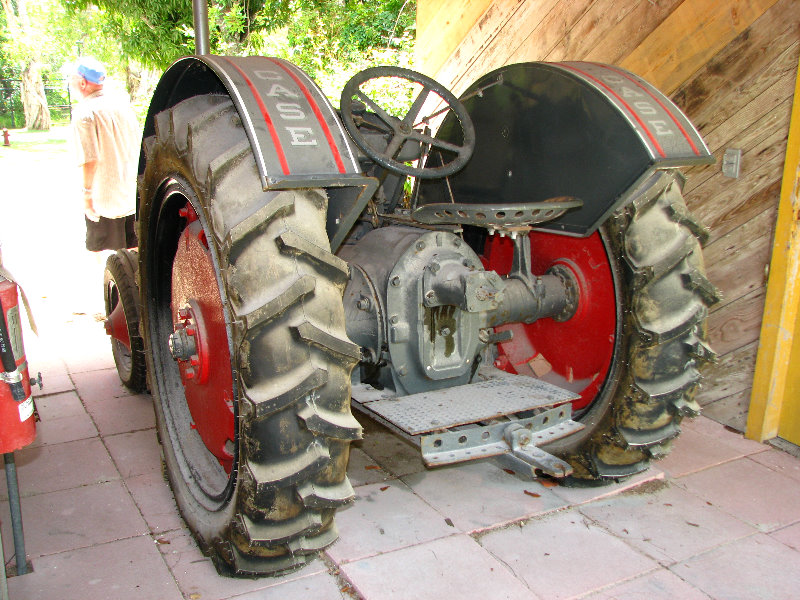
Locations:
column 459, row 405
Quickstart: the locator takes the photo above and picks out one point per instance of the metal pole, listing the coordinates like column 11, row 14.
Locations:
column 3, row 582
column 201, row 35
column 16, row 513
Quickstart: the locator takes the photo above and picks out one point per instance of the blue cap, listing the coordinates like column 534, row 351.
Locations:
column 91, row 70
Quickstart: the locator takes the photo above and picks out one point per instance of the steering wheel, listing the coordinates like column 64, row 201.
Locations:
column 410, row 127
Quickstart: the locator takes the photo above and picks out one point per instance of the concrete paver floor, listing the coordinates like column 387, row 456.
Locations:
column 718, row 518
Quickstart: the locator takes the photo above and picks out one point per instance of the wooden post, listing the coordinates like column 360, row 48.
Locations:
column 783, row 297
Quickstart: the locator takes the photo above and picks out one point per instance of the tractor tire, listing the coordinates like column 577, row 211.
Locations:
column 119, row 287
column 654, row 375
column 263, row 502
column 642, row 331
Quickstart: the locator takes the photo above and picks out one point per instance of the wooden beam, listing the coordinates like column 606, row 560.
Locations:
column 783, row 297
column 688, row 38
column 441, row 25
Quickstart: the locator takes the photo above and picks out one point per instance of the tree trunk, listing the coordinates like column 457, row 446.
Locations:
column 34, row 101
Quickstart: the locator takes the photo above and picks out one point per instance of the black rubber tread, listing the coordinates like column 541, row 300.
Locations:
column 121, row 270
column 665, row 298
column 290, row 355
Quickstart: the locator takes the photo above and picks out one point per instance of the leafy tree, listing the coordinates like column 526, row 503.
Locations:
column 52, row 37
column 330, row 39
column 156, row 32
column 26, row 49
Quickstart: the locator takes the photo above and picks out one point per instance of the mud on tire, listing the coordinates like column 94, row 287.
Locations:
column 290, row 359
column 662, row 343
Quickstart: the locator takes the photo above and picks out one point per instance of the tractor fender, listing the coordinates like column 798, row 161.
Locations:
column 585, row 130
column 297, row 138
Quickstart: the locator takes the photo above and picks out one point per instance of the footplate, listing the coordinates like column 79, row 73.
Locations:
column 518, row 438
column 462, row 404
column 478, row 420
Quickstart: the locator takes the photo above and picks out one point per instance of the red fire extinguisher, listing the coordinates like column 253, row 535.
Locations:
column 17, row 422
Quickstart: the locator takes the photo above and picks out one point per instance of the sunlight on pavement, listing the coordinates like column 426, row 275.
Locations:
column 42, row 234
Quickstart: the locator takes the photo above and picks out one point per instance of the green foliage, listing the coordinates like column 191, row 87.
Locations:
column 330, row 39
column 313, row 33
column 333, row 39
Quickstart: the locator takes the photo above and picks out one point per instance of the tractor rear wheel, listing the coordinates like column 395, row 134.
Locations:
column 634, row 347
column 250, row 364
column 120, row 294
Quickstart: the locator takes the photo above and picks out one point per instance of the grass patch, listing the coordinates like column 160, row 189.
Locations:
column 23, row 140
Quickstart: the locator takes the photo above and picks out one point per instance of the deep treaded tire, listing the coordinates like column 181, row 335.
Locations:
column 119, row 287
column 663, row 299
column 281, row 289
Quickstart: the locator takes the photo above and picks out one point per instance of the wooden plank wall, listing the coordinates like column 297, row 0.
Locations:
column 731, row 66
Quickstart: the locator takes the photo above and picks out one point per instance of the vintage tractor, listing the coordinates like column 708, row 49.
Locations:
column 538, row 296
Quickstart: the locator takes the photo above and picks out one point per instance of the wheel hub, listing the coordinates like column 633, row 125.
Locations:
column 573, row 350
column 199, row 342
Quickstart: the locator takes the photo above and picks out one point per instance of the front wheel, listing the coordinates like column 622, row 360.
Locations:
column 634, row 347
column 249, row 360
column 122, row 307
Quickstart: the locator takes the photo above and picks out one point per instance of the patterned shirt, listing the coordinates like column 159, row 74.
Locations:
column 106, row 130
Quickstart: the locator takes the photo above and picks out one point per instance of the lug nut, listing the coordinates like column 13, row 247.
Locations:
column 181, row 345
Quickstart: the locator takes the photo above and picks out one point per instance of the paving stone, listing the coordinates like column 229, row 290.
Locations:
column 385, row 517
column 564, row 555
column 668, row 524
column 738, row 488
column 196, row 574
column 123, row 415
column 135, row 453
column 94, row 358
column 660, row 585
column 130, row 569
column 153, row 496
column 65, row 429
column 779, row 461
column 75, row 518
column 753, row 568
column 704, row 443
column 581, row 495
column 51, row 384
column 788, row 535
column 478, row 495
column 453, row 567
column 44, row 359
column 730, row 411
column 100, row 385
column 712, row 429
column 362, row 470
column 321, row 586
column 61, row 466
column 58, row 406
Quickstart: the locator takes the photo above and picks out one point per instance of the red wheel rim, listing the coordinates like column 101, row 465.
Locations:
column 198, row 311
column 575, row 354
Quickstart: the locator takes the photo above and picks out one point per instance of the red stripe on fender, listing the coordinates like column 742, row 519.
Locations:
column 264, row 113
column 317, row 113
column 625, row 104
column 661, row 104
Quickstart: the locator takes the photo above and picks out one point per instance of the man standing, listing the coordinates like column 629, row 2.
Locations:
column 108, row 137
